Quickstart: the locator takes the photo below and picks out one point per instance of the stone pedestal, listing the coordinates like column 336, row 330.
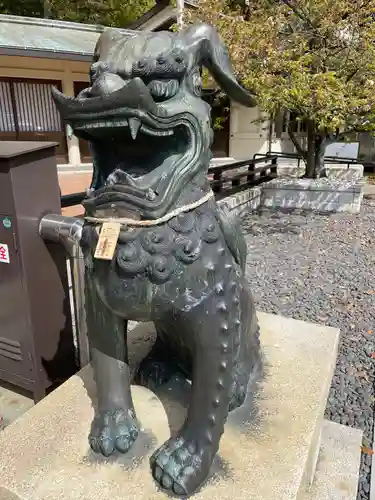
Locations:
column 334, row 170
column 269, row 448
column 318, row 195
column 337, row 472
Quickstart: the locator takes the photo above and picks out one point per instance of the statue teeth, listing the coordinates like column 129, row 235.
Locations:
column 134, row 126
column 157, row 132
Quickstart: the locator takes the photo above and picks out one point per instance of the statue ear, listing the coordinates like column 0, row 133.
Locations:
column 213, row 54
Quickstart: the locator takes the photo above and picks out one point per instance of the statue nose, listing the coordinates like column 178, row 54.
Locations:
column 128, row 93
column 109, row 94
column 106, row 83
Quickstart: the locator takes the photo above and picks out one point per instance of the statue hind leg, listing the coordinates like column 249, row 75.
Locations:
column 159, row 366
column 248, row 359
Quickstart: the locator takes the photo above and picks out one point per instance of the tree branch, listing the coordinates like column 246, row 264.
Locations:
column 352, row 74
column 294, row 140
column 299, row 13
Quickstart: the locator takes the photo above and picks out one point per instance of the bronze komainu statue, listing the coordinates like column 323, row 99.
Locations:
column 179, row 260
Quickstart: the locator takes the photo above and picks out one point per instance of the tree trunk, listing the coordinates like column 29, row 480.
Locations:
column 320, row 149
column 317, row 143
column 313, row 155
column 47, row 9
column 310, row 157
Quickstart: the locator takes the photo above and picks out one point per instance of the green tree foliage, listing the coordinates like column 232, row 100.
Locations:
column 30, row 8
column 315, row 59
column 105, row 12
column 116, row 13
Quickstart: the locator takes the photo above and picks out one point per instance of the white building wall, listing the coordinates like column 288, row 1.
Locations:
column 366, row 146
column 284, row 145
column 246, row 137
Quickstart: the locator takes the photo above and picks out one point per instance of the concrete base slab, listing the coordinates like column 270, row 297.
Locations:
column 337, row 472
column 268, row 450
column 320, row 195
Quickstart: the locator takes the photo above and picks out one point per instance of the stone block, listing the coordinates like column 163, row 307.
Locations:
column 344, row 173
column 243, row 202
column 268, row 450
column 320, row 195
column 337, row 471
column 222, row 160
column 290, row 170
column 334, row 171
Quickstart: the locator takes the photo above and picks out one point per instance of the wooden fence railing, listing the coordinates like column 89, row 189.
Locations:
column 298, row 158
column 231, row 178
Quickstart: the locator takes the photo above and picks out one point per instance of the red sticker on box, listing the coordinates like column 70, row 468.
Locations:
column 4, row 253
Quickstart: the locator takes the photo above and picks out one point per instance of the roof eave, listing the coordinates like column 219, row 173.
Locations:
column 54, row 23
column 45, row 54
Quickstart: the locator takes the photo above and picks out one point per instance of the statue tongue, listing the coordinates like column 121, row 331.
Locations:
column 118, row 176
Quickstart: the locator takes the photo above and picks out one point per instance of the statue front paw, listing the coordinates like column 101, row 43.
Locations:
column 180, row 465
column 113, row 430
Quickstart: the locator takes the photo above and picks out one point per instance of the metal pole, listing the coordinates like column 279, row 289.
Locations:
column 61, row 229
column 47, row 9
column 78, row 275
column 180, row 14
column 68, row 231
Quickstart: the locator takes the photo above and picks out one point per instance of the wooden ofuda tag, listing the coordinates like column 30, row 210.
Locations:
column 107, row 241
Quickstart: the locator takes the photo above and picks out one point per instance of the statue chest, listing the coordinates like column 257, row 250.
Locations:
column 160, row 261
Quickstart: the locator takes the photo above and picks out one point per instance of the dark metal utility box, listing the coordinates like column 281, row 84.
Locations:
column 36, row 338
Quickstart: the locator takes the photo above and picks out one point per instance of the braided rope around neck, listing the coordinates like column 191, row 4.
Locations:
column 124, row 221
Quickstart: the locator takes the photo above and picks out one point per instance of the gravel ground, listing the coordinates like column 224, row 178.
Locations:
column 322, row 269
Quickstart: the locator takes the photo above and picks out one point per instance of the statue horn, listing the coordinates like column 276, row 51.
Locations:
column 211, row 52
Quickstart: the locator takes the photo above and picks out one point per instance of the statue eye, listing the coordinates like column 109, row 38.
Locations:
column 196, row 81
column 96, row 69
